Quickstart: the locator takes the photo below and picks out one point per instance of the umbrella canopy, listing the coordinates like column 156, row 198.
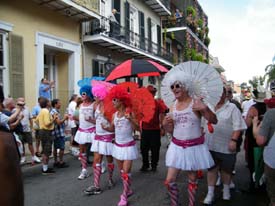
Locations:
column 136, row 68
column 200, row 79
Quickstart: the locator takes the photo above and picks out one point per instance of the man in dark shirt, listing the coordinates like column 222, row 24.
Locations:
column 151, row 134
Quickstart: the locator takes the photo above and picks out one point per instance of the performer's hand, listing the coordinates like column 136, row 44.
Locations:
column 198, row 104
column 104, row 126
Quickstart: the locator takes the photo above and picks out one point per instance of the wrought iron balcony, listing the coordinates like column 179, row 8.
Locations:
column 111, row 34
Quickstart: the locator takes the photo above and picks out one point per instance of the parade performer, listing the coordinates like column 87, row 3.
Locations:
column 187, row 150
column 125, row 150
column 86, row 131
column 102, row 144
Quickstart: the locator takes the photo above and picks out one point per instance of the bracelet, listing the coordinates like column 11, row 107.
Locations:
column 234, row 140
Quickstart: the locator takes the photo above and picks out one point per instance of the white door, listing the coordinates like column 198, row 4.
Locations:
column 134, row 26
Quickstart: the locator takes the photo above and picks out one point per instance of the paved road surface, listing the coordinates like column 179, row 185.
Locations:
column 63, row 188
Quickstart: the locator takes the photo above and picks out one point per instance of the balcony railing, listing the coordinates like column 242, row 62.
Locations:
column 119, row 33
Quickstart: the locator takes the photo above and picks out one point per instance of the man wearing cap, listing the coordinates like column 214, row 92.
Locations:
column 26, row 134
column 151, row 133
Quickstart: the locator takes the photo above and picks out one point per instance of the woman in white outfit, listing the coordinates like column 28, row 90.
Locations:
column 187, row 150
column 125, row 150
column 102, row 144
column 86, row 131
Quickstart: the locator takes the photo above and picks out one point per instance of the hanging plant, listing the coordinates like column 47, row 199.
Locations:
column 207, row 41
column 200, row 23
column 206, row 30
column 165, row 34
column 191, row 10
column 172, row 35
column 201, row 35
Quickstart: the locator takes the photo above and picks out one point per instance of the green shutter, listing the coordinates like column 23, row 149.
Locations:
column 95, row 68
column 17, row 88
column 127, row 21
column 149, row 34
column 141, row 30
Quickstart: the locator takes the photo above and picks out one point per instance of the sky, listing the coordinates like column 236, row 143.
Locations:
column 242, row 34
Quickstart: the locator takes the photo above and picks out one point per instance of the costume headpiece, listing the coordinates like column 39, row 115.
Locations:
column 120, row 92
column 100, row 91
column 85, row 86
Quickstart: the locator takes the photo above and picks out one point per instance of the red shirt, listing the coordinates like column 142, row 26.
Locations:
column 154, row 124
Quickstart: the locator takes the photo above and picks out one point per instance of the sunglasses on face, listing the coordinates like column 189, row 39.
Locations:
column 177, row 86
column 83, row 93
column 115, row 100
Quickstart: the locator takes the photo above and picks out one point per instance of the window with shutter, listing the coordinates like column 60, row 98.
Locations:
column 16, row 66
column 141, row 30
column 127, row 22
column 159, row 39
column 149, row 34
column 95, row 68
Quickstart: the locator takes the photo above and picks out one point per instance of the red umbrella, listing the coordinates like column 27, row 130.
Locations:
column 136, row 68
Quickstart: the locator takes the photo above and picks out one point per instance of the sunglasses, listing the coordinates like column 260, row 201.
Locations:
column 83, row 93
column 177, row 86
column 115, row 100
column 21, row 105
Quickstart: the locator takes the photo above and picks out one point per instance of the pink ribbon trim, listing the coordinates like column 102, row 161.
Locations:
column 128, row 144
column 89, row 130
column 188, row 143
column 105, row 138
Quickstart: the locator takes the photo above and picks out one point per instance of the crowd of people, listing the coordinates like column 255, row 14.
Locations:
column 194, row 146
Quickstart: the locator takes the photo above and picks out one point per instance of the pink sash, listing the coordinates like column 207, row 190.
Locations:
column 89, row 130
column 105, row 138
column 188, row 143
column 128, row 144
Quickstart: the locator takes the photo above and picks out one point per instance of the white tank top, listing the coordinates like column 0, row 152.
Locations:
column 123, row 130
column 100, row 119
column 84, row 113
column 186, row 123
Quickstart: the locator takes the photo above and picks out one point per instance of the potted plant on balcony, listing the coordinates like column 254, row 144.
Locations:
column 200, row 23
column 191, row 10
column 207, row 41
column 201, row 34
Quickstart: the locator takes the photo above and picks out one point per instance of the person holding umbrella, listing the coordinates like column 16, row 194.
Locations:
column 124, row 123
column 187, row 150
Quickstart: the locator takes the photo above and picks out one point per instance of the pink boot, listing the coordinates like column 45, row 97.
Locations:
column 123, row 201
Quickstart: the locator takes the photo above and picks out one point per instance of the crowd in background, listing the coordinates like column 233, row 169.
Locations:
column 251, row 119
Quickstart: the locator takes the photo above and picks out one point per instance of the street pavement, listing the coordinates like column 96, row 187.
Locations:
column 63, row 188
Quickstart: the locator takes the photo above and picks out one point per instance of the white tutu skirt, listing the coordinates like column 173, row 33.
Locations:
column 84, row 137
column 189, row 159
column 125, row 153
column 103, row 148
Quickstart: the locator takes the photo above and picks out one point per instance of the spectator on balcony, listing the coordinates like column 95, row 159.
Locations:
column 178, row 14
column 114, row 25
